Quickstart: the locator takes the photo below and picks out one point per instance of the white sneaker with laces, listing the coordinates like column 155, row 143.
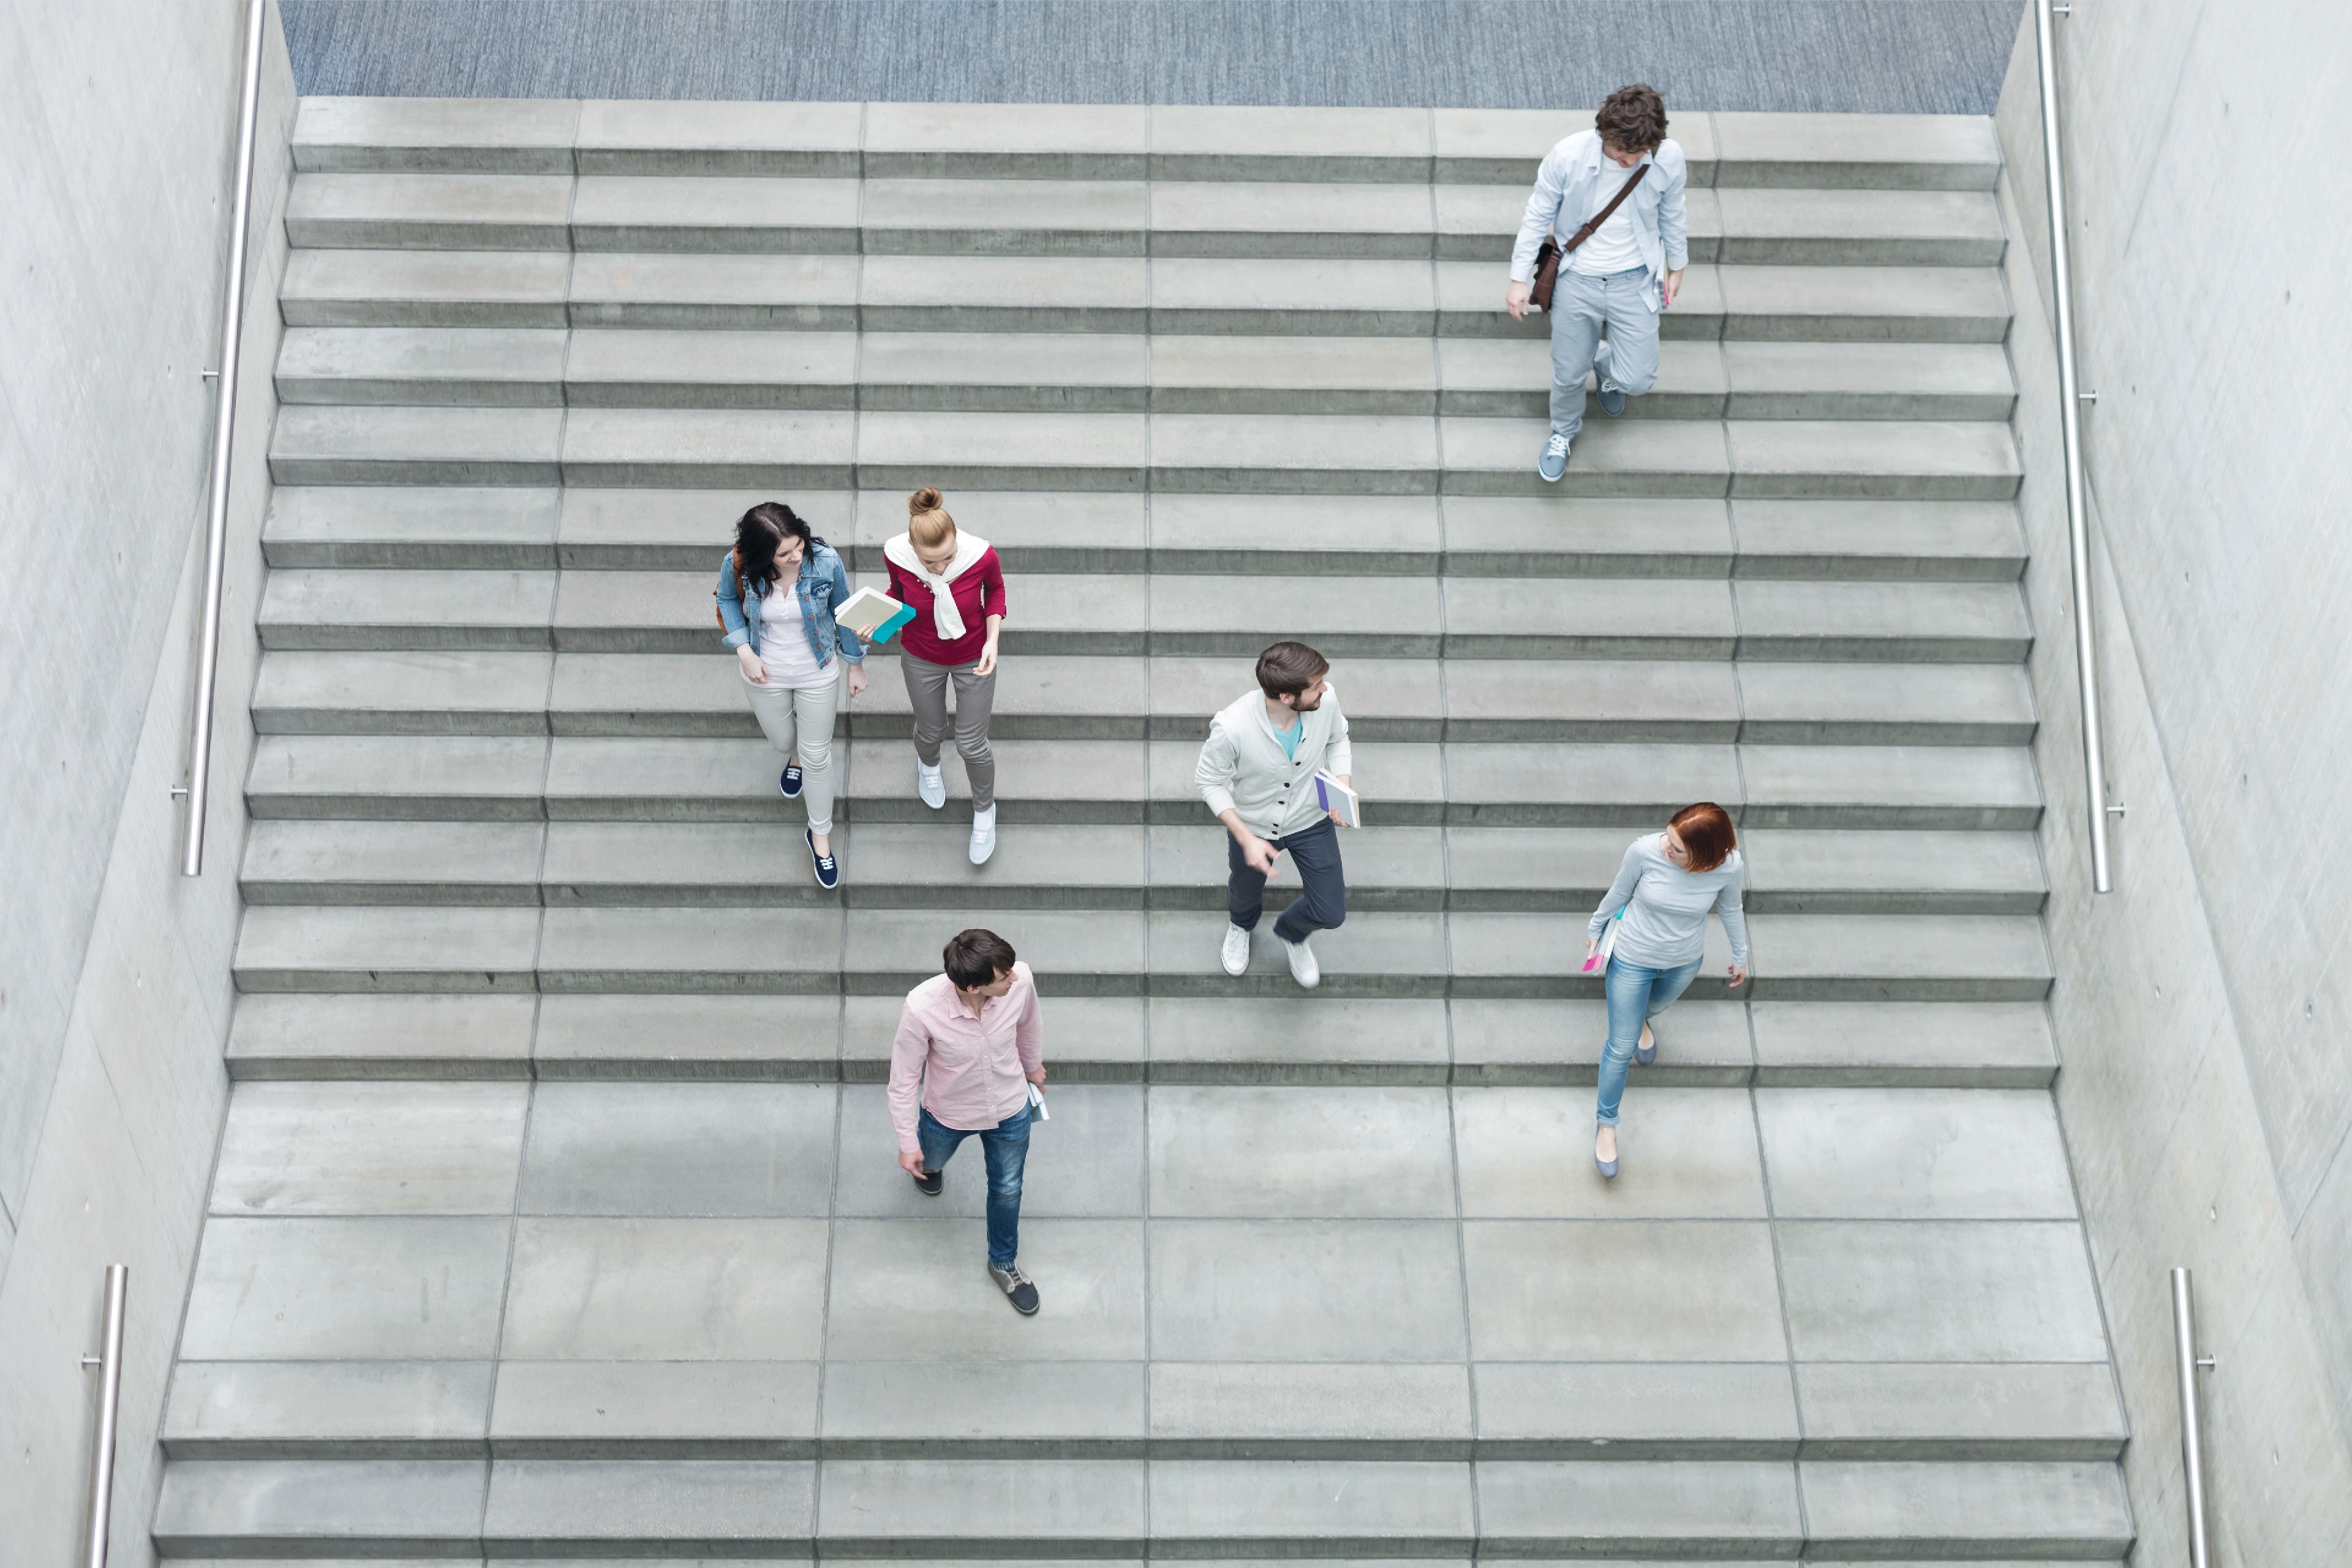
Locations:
column 1303, row 967
column 931, row 784
column 983, row 836
column 1236, row 952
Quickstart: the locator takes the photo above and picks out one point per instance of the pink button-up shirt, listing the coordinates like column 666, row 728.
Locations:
column 973, row 1070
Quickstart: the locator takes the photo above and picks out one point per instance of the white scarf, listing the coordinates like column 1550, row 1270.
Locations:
column 970, row 547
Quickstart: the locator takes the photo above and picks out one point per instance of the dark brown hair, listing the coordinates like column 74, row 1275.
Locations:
column 975, row 958
column 760, row 533
column 1706, row 831
column 1632, row 119
column 1287, row 668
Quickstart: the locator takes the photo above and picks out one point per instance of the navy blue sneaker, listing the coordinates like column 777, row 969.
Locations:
column 1648, row 1053
column 1612, row 398
column 829, row 870
column 1554, row 461
column 791, row 782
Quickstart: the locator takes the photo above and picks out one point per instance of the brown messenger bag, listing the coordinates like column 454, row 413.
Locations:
column 1549, row 257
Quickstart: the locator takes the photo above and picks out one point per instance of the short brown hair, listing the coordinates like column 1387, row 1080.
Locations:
column 1287, row 668
column 975, row 958
column 1706, row 830
column 1632, row 119
column 928, row 522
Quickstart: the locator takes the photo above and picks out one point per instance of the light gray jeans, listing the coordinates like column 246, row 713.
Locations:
column 927, row 694
column 1580, row 307
column 798, row 722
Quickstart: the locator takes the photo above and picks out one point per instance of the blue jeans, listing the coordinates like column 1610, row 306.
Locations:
column 1581, row 307
column 1636, row 993
column 1006, row 1146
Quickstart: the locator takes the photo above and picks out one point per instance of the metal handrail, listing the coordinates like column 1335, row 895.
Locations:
column 108, row 1360
column 200, row 749
column 2192, row 1442
column 2070, row 399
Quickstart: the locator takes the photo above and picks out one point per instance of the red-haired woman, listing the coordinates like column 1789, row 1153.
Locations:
column 1665, row 887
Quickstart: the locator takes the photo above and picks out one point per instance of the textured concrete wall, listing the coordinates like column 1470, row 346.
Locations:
column 118, row 125
column 2203, row 1010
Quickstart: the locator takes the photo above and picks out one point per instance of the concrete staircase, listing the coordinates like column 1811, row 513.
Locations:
column 556, row 1215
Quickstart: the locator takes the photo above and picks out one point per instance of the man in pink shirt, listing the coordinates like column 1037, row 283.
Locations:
column 971, row 1036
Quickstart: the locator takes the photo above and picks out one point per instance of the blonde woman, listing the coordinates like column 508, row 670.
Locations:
column 1665, row 887
column 954, row 583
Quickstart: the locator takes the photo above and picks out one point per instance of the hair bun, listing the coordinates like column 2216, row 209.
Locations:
column 927, row 498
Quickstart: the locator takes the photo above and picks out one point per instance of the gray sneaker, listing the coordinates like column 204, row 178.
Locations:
column 1016, row 1287
column 1612, row 398
column 1554, row 461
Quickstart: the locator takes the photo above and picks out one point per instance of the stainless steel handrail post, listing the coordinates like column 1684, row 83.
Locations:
column 2192, row 1441
column 108, row 1360
column 200, row 750
column 2070, row 423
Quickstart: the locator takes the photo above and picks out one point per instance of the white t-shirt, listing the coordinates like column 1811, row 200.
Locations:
column 784, row 643
column 1612, row 248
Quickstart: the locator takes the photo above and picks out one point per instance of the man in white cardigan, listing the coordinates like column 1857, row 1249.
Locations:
column 1257, row 773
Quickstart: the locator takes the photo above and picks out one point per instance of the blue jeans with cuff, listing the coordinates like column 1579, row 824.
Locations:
column 1006, row 1147
column 1636, row 993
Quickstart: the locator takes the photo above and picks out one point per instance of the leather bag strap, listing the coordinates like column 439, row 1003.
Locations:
column 1586, row 232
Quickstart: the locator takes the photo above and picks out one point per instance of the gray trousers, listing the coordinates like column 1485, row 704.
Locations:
column 1580, row 307
column 798, row 722
column 975, row 694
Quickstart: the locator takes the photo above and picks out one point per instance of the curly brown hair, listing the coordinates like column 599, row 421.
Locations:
column 1632, row 119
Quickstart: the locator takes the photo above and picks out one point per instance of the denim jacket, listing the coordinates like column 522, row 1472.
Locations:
column 1564, row 196
column 822, row 586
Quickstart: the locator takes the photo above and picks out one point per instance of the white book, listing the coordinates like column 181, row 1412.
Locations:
column 1037, row 1104
column 1339, row 799
column 872, row 613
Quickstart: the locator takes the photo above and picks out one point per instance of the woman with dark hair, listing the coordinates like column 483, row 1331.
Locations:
column 1665, row 887
column 777, row 590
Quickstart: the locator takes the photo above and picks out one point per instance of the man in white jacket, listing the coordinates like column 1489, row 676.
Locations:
column 1257, row 773
column 1619, row 278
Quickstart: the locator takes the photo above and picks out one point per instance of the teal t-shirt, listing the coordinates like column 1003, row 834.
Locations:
column 1289, row 739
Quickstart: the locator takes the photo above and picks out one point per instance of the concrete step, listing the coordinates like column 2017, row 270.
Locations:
column 1734, row 151
column 882, row 952
column 1074, row 294
column 1064, row 698
column 528, row 778
column 1187, row 453
column 1112, row 614
column 1345, row 220
column 1110, row 373
column 1081, row 1508
column 521, row 527
column 1239, row 1039
column 913, row 865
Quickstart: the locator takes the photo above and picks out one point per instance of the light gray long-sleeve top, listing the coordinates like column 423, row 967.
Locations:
column 1665, row 907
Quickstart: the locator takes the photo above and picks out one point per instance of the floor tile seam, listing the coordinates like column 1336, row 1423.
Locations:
column 1780, row 1291
column 841, row 1004
column 1150, row 540
column 507, row 1283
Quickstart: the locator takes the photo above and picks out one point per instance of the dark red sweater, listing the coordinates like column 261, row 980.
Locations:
column 978, row 594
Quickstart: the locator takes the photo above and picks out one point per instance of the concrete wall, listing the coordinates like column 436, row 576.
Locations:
column 2203, row 1009
column 118, row 129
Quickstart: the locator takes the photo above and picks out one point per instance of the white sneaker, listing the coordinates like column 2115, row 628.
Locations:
column 931, row 784
column 1303, row 967
column 1236, row 952
column 983, row 836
